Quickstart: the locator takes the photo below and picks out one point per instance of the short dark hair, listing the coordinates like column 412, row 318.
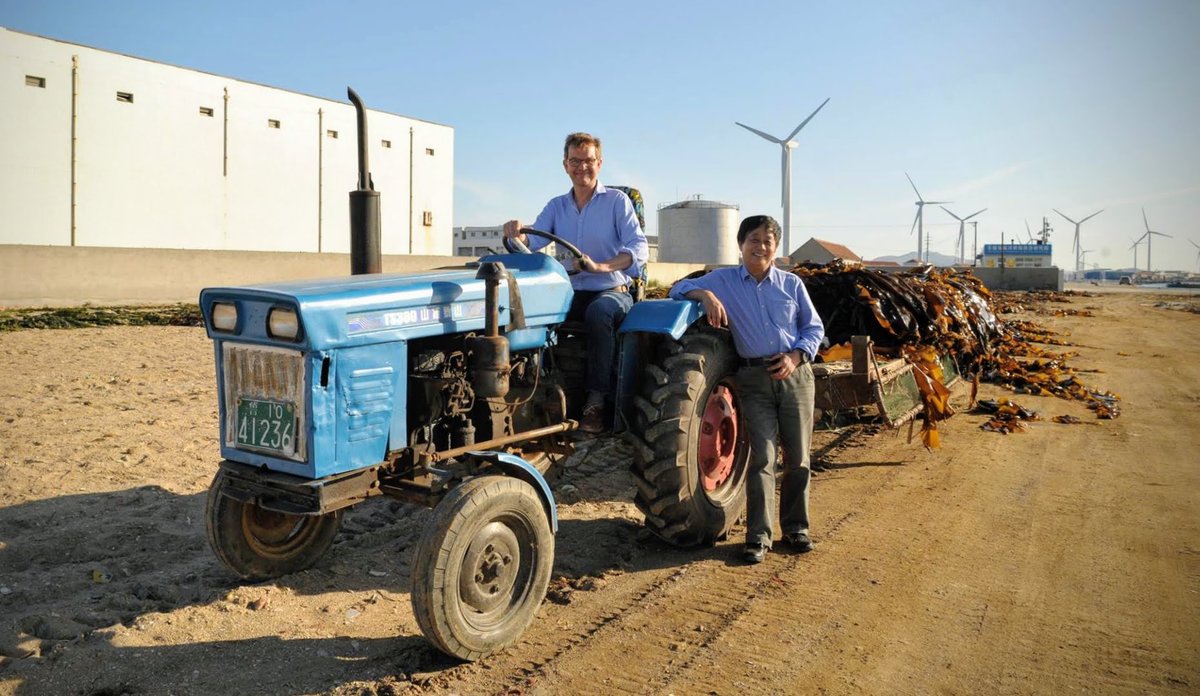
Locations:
column 756, row 221
column 579, row 140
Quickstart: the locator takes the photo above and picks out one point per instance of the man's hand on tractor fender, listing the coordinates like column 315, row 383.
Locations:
column 713, row 309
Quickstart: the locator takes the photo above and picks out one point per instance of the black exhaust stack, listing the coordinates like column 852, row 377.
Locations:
column 364, row 206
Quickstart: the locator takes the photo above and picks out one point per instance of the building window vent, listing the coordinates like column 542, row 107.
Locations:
column 387, row 143
column 35, row 81
column 429, row 151
column 331, row 134
column 272, row 123
column 427, row 218
column 206, row 111
column 126, row 97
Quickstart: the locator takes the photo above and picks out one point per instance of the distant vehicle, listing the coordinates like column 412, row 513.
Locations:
column 1126, row 280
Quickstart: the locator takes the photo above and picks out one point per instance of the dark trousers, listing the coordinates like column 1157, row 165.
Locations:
column 602, row 311
column 772, row 411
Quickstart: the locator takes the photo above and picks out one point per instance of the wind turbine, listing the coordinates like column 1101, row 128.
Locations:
column 1075, row 244
column 1149, row 235
column 962, row 225
column 1136, row 243
column 1197, row 254
column 1082, row 254
column 1029, row 233
column 919, row 220
column 787, row 144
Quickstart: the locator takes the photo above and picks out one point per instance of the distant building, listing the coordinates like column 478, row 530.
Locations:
column 1017, row 255
column 478, row 241
column 821, row 252
column 106, row 150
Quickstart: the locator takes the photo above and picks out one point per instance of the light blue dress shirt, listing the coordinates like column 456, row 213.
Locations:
column 605, row 227
column 766, row 318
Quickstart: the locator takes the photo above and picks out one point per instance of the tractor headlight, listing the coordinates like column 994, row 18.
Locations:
column 282, row 323
column 224, row 316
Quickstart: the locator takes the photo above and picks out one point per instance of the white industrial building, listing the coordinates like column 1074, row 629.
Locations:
column 478, row 241
column 698, row 231
column 106, row 150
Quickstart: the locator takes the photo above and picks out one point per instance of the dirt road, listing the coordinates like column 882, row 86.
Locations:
column 1061, row 559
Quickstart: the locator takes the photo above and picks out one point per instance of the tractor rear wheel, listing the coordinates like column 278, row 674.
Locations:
column 260, row 544
column 690, row 449
column 482, row 566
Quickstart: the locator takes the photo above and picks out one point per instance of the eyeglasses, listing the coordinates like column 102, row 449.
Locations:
column 575, row 163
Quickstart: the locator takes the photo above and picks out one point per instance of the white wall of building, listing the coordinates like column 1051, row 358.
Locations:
column 188, row 160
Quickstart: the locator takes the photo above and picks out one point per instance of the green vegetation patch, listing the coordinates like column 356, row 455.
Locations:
column 80, row 317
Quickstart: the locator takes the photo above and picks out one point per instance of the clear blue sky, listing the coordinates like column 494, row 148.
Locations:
column 1018, row 106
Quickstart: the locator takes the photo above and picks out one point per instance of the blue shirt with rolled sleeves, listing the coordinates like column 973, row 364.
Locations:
column 766, row 318
column 605, row 227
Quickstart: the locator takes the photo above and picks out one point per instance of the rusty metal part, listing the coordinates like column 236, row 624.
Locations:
column 494, row 443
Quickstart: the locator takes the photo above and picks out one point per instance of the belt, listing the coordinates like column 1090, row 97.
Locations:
column 763, row 362
column 755, row 362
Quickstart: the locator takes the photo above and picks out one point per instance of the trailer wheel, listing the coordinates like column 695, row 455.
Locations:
column 482, row 566
column 260, row 544
column 690, row 450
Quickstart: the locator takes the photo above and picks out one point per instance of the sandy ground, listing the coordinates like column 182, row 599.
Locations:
column 1062, row 559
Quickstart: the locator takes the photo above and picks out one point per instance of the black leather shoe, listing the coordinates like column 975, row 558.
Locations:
column 754, row 553
column 798, row 542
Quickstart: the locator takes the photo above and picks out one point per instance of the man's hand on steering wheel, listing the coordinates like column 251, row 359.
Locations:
column 585, row 263
column 513, row 242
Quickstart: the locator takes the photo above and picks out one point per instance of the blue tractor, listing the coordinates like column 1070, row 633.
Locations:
column 457, row 389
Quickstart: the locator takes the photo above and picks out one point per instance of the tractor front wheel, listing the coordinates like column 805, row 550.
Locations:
column 260, row 544
column 482, row 566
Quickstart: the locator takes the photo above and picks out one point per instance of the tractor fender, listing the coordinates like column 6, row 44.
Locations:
column 671, row 317
column 514, row 466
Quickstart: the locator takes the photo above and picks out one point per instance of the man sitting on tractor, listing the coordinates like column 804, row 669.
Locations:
column 603, row 224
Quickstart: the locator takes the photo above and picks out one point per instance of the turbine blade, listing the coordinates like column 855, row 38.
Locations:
column 983, row 209
column 951, row 214
column 1091, row 216
column 1194, row 244
column 810, row 117
column 910, row 181
column 934, row 202
column 915, row 218
column 1064, row 215
column 1145, row 220
column 761, row 134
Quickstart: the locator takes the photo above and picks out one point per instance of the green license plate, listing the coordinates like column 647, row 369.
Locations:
column 269, row 425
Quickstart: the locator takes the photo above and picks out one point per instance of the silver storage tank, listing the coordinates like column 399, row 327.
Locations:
column 698, row 231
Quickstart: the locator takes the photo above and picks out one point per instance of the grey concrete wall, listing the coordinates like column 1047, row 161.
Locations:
column 34, row 276
column 1020, row 278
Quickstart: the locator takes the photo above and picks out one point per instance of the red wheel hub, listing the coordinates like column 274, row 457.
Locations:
column 718, row 438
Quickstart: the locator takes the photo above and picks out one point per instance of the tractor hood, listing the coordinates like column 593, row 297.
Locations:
column 374, row 308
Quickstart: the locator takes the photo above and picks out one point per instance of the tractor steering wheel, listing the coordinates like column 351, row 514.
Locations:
column 515, row 246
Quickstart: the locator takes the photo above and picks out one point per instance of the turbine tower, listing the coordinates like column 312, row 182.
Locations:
column 1136, row 243
column 1075, row 244
column 962, row 236
column 1149, row 236
column 787, row 145
column 1197, row 254
column 919, row 220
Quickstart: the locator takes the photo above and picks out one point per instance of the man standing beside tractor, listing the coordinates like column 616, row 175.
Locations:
column 602, row 223
column 777, row 333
